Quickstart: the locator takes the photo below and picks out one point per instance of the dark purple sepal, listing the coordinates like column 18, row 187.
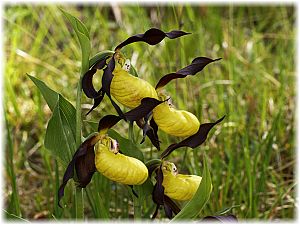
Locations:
column 193, row 141
column 152, row 36
column 83, row 162
column 196, row 66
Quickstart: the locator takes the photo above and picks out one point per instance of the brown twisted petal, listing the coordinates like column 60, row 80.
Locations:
column 196, row 66
column 84, row 162
column 146, row 106
column 170, row 207
column 152, row 37
column 158, row 190
column 149, row 130
column 154, row 128
column 108, row 76
column 140, row 114
column 97, row 100
column 88, row 87
column 194, row 140
column 87, row 84
column 145, row 126
column 87, row 79
column 106, row 82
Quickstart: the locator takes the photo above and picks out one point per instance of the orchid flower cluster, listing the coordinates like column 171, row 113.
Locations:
column 151, row 110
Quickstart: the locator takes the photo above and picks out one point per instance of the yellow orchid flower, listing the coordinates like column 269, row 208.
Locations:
column 99, row 152
column 171, row 185
column 178, row 186
column 126, row 88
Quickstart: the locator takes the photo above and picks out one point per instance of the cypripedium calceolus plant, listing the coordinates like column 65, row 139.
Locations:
column 151, row 109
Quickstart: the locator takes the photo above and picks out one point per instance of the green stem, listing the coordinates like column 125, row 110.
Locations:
column 137, row 208
column 79, row 203
column 57, row 211
column 136, row 201
column 78, row 192
column 78, row 113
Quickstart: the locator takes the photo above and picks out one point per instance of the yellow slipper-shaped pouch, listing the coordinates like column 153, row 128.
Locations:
column 178, row 186
column 175, row 122
column 116, row 166
column 126, row 88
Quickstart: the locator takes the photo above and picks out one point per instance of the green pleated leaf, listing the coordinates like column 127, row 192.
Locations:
column 82, row 34
column 49, row 95
column 127, row 147
column 196, row 204
column 61, row 129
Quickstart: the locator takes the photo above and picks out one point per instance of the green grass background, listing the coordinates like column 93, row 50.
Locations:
column 251, row 154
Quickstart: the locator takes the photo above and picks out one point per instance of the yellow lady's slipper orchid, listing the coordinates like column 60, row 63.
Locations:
column 126, row 88
column 100, row 152
column 178, row 186
column 116, row 166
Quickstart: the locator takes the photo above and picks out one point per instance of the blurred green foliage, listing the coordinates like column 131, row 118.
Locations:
column 251, row 155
